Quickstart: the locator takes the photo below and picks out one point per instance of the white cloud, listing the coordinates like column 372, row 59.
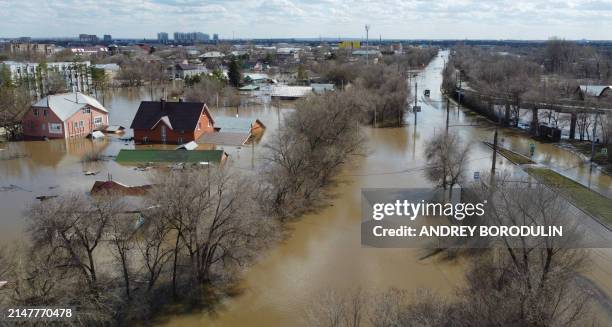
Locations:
column 533, row 19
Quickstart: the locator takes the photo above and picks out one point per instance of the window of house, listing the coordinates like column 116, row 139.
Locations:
column 180, row 140
column 55, row 128
column 145, row 139
column 87, row 110
column 81, row 124
column 98, row 121
column 35, row 112
column 45, row 113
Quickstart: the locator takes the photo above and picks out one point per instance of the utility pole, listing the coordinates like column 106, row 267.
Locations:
column 447, row 113
column 494, row 152
column 374, row 116
column 593, row 140
column 459, row 92
column 416, row 97
column 367, row 28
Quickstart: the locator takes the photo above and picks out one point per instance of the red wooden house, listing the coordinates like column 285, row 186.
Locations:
column 171, row 122
column 64, row 115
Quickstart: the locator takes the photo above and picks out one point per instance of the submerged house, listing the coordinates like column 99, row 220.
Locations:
column 238, row 124
column 593, row 91
column 110, row 186
column 285, row 92
column 171, row 122
column 64, row 115
column 182, row 71
column 233, row 131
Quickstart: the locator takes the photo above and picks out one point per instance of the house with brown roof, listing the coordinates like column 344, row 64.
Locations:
column 110, row 186
column 171, row 122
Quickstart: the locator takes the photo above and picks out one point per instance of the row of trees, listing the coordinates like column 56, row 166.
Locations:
column 499, row 84
column 309, row 150
column 200, row 229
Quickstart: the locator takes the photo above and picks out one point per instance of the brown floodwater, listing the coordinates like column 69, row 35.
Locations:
column 323, row 250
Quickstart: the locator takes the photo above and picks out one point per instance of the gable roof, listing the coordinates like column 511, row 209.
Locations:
column 225, row 138
column 291, row 91
column 65, row 105
column 593, row 90
column 177, row 115
column 119, row 188
column 235, row 124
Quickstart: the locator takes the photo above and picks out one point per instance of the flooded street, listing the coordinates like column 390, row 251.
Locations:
column 323, row 250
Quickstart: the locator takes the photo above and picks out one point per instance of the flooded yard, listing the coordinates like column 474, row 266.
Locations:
column 323, row 250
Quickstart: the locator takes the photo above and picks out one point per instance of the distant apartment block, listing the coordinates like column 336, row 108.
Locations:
column 162, row 37
column 191, row 37
column 108, row 38
column 76, row 74
column 216, row 37
column 89, row 38
column 32, row 48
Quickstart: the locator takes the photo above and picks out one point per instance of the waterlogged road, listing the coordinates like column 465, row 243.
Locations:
column 324, row 251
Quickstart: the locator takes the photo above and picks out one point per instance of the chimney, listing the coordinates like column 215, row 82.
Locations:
column 162, row 101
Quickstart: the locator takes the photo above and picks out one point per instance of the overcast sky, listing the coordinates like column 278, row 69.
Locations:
column 405, row 19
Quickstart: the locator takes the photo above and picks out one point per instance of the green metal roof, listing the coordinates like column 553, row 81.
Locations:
column 143, row 156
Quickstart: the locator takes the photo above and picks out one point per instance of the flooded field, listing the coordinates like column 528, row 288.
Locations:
column 323, row 251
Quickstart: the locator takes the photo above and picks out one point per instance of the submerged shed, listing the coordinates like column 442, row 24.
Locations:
column 187, row 146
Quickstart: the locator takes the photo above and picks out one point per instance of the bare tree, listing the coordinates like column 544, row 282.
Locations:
column 14, row 102
column 214, row 216
column 306, row 154
column 73, row 228
column 154, row 248
column 121, row 229
column 335, row 310
column 447, row 158
column 56, row 83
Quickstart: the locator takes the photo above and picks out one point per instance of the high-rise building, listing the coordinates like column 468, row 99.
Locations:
column 108, row 38
column 89, row 38
column 216, row 37
column 191, row 37
column 162, row 37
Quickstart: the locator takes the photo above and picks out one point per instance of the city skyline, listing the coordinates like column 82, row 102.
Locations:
column 391, row 19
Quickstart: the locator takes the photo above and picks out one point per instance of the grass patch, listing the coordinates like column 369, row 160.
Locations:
column 584, row 148
column 589, row 201
column 515, row 158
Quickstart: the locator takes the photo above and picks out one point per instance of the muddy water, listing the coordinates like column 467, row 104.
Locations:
column 324, row 249
column 45, row 168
